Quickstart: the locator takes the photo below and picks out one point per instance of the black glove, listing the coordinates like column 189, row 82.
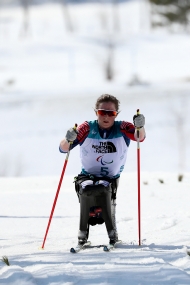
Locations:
column 139, row 120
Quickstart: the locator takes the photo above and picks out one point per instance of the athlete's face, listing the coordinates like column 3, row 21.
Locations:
column 105, row 121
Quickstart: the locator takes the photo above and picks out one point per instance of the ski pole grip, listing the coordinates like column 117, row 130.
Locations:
column 138, row 113
column 74, row 128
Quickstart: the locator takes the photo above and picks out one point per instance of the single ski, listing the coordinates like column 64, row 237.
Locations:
column 111, row 246
column 79, row 247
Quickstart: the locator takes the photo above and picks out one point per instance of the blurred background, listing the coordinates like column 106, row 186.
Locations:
column 57, row 57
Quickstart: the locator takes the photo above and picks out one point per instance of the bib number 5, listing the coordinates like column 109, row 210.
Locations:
column 104, row 171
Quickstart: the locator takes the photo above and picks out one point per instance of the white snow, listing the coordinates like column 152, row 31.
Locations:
column 161, row 259
column 50, row 80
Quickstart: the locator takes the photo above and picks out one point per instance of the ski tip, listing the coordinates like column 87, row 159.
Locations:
column 106, row 248
column 72, row 250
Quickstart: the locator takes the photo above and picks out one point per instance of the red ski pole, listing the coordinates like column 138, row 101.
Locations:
column 57, row 193
column 138, row 180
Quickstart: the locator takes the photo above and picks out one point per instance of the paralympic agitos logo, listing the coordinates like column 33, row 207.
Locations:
column 104, row 147
column 103, row 162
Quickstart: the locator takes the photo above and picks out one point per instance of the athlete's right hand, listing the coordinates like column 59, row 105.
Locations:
column 71, row 135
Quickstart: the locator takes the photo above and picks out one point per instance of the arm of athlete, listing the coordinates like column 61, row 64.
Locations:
column 75, row 137
column 129, row 130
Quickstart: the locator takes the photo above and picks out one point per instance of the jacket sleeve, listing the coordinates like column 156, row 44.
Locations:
column 83, row 131
column 128, row 131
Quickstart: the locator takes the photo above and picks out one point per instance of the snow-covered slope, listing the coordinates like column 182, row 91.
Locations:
column 162, row 259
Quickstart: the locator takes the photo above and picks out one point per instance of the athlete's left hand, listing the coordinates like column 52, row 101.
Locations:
column 139, row 120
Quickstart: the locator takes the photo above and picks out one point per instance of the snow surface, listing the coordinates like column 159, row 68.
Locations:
column 50, row 80
column 161, row 259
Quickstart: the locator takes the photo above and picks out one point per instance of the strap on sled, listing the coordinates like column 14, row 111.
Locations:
column 114, row 183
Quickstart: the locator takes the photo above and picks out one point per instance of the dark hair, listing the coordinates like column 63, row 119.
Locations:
column 107, row 98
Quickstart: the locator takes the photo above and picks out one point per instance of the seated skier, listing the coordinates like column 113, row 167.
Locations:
column 103, row 151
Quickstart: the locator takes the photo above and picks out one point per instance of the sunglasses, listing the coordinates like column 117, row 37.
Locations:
column 103, row 112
